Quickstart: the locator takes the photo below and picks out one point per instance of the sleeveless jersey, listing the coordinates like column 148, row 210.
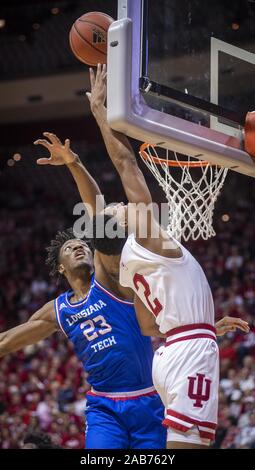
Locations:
column 107, row 340
column 175, row 290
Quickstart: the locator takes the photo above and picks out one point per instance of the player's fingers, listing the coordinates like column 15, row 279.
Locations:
column 232, row 320
column 104, row 76
column 103, row 72
column 241, row 324
column 226, row 329
column 242, row 327
column 52, row 137
column 43, row 161
column 67, row 144
column 88, row 96
column 92, row 77
column 43, row 142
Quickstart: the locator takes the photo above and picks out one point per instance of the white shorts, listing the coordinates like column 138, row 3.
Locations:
column 186, row 375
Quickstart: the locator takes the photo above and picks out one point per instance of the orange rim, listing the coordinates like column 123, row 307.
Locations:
column 159, row 161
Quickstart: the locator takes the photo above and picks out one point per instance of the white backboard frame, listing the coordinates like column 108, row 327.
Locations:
column 128, row 112
column 217, row 46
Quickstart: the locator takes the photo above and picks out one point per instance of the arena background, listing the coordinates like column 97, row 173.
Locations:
column 42, row 88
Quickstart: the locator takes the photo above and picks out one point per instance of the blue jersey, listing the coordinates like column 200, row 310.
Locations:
column 107, row 340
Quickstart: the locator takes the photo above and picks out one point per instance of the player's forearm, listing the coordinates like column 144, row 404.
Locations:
column 117, row 144
column 24, row 335
column 87, row 186
column 124, row 160
column 11, row 342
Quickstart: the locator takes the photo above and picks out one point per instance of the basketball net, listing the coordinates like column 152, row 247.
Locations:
column 191, row 187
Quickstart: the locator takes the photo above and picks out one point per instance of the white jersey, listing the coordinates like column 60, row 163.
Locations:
column 175, row 290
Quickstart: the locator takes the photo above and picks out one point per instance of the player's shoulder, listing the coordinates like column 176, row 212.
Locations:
column 163, row 247
column 49, row 307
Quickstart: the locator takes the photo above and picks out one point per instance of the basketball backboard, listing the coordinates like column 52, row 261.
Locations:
column 181, row 75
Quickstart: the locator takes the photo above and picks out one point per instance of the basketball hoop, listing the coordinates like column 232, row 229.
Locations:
column 191, row 187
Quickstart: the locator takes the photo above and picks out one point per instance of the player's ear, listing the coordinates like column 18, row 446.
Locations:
column 61, row 269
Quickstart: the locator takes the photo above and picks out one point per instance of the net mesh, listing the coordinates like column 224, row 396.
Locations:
column 191, row 188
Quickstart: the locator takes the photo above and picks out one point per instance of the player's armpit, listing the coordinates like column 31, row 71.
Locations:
column 146, row 319
column 41, row 325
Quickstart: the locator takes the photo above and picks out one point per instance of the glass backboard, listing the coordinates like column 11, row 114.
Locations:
column 181, row 76
column 198, row 60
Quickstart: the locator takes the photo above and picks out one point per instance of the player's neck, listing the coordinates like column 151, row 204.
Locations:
column 80, row 286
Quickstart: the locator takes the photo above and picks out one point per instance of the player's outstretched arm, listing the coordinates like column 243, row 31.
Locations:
column 227, row 324
column 39, row 326
column 117, row 144
column 148, row 232
column 146, row 319
column 61, row 154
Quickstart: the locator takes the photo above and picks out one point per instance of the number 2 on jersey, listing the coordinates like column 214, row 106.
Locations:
column 154, row 305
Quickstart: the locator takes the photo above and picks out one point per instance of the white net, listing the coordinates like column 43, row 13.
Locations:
column 191, row 188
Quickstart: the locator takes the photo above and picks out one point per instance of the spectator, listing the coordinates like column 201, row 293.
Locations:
column 246, row 438
column 38, row 440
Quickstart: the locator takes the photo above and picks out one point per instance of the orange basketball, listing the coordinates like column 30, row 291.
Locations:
column 88, row 37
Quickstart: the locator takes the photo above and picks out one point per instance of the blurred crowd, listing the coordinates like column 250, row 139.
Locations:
column 44, row 387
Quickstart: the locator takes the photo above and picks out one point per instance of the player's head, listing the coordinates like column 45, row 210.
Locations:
column 38, row 440
column 67, row 255
column 109, row 229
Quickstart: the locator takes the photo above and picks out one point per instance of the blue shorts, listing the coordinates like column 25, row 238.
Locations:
column 125, row 424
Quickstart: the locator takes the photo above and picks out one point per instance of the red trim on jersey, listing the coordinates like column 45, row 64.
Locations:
column 194, row 326
column 122, row 301
column 207, row 435
column 179, row 427
column 172, row 424
column 123, row 398
column 184, row 338
column 206, row 424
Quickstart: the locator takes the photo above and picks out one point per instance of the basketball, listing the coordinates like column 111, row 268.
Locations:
column 88, row 38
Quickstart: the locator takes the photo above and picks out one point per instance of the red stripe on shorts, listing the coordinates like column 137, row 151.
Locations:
column 193, row 326
column 185, row 338
column 205, row 424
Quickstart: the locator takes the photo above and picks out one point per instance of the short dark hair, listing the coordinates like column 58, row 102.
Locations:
column 104, row 244
column 40, row 440
column 53, row 250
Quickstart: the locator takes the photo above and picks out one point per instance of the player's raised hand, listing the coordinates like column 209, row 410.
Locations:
column 60, row 154
column 97, row 96
column 227, row 324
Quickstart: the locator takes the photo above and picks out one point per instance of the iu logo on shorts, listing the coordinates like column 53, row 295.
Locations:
column 199, row 389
